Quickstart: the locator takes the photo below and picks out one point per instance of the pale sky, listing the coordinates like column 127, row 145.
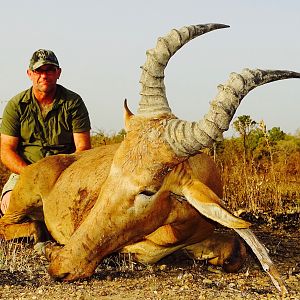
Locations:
column 101, row 45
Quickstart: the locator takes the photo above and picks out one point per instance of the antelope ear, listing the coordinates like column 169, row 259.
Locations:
column 217, row 213
column 262, row 255
column 210, row 205
column 127, row 115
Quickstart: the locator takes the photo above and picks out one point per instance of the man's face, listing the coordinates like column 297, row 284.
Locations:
column 44, row 78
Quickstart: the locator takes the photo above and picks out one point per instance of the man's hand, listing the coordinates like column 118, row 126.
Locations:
column 82, row 140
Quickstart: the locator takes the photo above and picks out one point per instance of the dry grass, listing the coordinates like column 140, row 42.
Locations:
column 251, row 191
column 176, row 277
column 14, row 255
column 261, row 178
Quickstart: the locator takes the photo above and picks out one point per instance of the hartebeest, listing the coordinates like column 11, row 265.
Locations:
column 152, row 194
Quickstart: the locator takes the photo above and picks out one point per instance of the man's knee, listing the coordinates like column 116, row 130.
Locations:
column 6, row 191
column 5, row 201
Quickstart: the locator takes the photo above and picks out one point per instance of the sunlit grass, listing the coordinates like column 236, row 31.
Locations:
column 14, row 256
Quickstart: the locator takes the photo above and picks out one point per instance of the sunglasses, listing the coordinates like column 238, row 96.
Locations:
column 47, row 70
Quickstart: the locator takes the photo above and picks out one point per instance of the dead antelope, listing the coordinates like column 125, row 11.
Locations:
column 152, row 194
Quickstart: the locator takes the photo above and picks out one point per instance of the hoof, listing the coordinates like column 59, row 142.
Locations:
column 237, row 258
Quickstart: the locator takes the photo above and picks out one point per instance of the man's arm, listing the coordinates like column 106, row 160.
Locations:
column 82, row 140
column 9, row 155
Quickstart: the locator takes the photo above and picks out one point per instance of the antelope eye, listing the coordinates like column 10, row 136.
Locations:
column 147, row 193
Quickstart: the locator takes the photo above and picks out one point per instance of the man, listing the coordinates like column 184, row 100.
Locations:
column 44, row 120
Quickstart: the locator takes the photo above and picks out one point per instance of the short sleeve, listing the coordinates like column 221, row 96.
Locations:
column 10, row 120
column 80, row 117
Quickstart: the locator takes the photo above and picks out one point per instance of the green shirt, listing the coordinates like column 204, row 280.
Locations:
column 53, row 134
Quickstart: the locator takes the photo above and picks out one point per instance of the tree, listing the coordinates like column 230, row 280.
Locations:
column 276, row 134
column 243, row 125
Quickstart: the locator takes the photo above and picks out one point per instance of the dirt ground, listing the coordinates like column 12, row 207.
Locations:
column 176, row 277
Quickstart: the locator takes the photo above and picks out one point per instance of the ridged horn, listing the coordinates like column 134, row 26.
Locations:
column 153, row 94
column 187, row 138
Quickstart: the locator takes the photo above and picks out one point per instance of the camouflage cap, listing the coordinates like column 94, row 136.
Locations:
column 43, row 57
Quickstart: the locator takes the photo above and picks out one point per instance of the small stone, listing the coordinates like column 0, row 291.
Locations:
column 108, row 278
column 207, row 281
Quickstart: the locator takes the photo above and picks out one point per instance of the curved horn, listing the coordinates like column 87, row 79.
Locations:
column 187, row 138
column 153, row 95
column 127, row 111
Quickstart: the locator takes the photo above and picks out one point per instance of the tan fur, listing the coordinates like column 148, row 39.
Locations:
column 100, row 201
